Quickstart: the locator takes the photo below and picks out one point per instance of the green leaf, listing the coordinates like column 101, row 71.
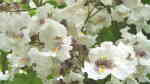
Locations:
column 32, row 12
column 148, row 76
column 50, row 76
column 55, row 4
column 145, row 83
column 111, row 33
column 3, row 61
column 25, row 6
column 62, row 5
column 146, row 1
column 29, row 78
column 7, row 1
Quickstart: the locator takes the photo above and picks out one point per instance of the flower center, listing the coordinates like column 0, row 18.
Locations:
column 102, row 69
column 141, row 54
column 103, row 63
column 55, row 49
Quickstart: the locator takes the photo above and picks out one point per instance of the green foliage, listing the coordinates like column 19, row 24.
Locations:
column 4, row 82
column 148, row 75
column 32, row 12
column 111, row 33
column 146, row 1
column 3, row 61
column 55, row 4
column 25, row 6
column 29, row 78
column 50, row 76
column 91, row 81
column 145, row 83
column 7, row 1
column 10, row 1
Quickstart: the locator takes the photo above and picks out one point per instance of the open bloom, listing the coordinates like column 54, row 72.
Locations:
column 119, row 13
column 100, row 20
column 132, row 3
column 142, row 49
column 42, row 61
column 14, row 22
column 51, row 33
column 4, row 76
column 108, row 59
column 54, row 36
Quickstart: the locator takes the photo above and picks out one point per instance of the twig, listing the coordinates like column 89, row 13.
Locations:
column 20, row 10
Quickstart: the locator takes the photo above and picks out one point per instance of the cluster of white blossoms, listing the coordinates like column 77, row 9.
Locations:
column 61, row 46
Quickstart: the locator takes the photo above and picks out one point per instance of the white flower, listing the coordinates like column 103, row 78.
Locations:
column 44, row 11
column 73, row 77
column 139, row 15
column 70, row 2
column 142, row 49
column 51, row 33
column 5, row 45
column 54, row 36
column 142, row 74
column 108, row 59
column 126, row 35
column 120, row 12
column 4, row 76
column 130, row 54
column 132, row 81
column 100, row 20
column 17, row 61
column 107, row 2
column 32, row 4
column 86, row 39
column 74, row 14
column 63, row 51
column 42, row 61
column 13, row 22
column 15, row 43
column 132, row 3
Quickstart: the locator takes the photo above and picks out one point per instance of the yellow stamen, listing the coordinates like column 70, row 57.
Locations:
column 17, row 37
column 55, row 49
column 81, row 33
column 103, row 57
column 122, row 14
column 102, row 69
column 24, row 60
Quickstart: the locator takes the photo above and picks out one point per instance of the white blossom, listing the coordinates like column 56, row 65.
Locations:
column 106, row 60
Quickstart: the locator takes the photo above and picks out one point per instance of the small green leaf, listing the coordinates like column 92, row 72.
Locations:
column 25, row 6
column 55, row 4
column 3, row 60
column 50, row 76
column 62, row 5
column 32, row 12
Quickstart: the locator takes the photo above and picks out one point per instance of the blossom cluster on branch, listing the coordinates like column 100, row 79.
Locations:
column 74, row 42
